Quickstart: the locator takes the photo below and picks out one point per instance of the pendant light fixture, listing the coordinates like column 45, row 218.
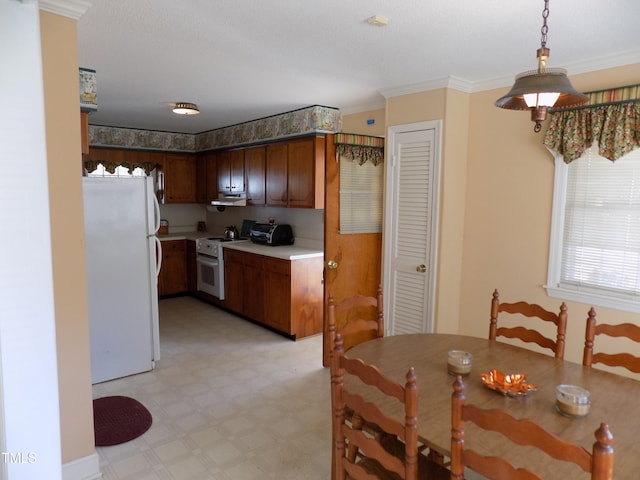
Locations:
column 544, row 88
column 185, row 108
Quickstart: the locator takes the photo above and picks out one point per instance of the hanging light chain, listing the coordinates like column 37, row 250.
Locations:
column 543, row 51
column 545, row 29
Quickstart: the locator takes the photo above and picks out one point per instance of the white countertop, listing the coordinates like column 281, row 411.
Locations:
column 286, row 252
column 186, row 236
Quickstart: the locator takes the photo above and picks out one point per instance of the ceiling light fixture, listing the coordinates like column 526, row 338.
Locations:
column 378, row 21
column 185, row 108
column 542, row 89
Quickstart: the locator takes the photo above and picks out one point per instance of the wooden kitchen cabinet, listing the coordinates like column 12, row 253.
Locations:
column 84, row 133
column 253, row 275
column 179, row 178
column 206, row 177
column 306, row 173
column 173, row 272
column 294, row 173
column 276, row 175
column 192, row 267
column 254, row 172
column 277, row 275
column 201, row 179
column 231, row 171
column 244, row 277
column 285, row 295
column 233, row 280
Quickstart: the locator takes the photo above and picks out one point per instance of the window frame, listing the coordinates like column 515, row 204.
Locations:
column 588, row 295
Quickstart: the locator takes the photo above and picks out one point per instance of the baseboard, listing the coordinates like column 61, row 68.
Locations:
column 86, row 468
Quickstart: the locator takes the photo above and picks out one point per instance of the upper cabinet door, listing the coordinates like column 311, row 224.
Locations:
column 301, row 174
column 276, row 175
column 236, row 171
column 223, row 162
column 254, row 172
column 180, row 178
column 231, row 171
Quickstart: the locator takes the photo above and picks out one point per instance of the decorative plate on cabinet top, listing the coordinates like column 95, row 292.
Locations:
column 510, row 384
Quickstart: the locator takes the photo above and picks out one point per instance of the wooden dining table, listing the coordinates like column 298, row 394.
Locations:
column 615, row 399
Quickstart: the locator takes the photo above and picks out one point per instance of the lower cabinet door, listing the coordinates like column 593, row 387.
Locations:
column 277, row 294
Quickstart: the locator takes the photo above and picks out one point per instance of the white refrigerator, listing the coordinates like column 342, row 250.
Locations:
column 123, row 255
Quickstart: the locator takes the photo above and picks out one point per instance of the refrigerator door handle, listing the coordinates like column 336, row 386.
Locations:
column 156, row 216
column 158, row 255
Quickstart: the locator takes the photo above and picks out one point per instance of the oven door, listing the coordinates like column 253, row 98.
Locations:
column 210, row 276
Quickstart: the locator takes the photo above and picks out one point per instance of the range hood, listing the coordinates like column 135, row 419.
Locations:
column 230, row 200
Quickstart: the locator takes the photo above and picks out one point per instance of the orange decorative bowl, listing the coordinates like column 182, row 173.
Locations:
column 512, row 384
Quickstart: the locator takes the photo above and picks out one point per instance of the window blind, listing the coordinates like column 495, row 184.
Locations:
column 601, row 245
column 360, row 197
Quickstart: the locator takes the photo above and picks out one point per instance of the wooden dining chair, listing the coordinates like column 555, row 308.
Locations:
column 599, row 463
column 528, row 334
column 357, row 318
column 397, row 455
column 361, row 319
column 622, row 330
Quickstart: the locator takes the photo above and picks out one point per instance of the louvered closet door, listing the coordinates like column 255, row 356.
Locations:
column 409, row 230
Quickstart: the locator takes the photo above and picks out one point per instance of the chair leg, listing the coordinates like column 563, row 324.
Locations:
column 352, row 450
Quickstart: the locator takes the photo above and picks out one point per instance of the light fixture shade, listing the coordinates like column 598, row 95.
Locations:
column 185, row 108
column 552, row 80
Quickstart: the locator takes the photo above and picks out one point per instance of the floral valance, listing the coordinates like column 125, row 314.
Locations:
column 361, row 148
column 110, row 166
column 612, row 119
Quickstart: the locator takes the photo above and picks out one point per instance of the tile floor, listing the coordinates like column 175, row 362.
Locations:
column 230, row 401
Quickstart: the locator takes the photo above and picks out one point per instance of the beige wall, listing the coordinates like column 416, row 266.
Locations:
column 62, row 117
column 496, row 192
column 508, row 213
column 357, row 123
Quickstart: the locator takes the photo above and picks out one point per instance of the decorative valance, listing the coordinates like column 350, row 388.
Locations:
column 612, row 118
column 361, row 148
column 111, row 166
column 304, row 121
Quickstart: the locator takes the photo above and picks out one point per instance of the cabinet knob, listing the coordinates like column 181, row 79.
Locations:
column 332, row 264
column 421, row 268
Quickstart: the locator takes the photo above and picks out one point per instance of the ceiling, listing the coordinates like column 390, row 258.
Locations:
column 240, row 60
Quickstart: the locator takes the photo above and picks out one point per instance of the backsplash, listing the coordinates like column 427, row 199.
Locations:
column 183, row 217
column 307, row 224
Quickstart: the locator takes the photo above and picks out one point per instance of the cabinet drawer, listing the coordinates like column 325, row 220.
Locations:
column 233, row 255
column 174, row 247
column 255, row 261
column 283, row 267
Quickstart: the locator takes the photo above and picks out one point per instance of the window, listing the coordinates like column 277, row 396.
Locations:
column 595, row 233
column 360, row 197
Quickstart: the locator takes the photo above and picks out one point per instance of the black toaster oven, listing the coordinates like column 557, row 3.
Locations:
column 271, row 234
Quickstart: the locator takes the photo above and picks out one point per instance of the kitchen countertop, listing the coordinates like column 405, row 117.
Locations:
column 286, row 252
column 185, row 236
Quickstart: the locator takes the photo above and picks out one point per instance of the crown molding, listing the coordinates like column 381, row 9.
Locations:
column 453, row 82
column 364, row 107
column 621, row 59
column 629, row 57
column 67, row 8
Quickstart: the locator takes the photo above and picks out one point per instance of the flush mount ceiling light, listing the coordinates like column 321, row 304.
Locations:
column 378, row 21
column 544, row 88
column 184, row 108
